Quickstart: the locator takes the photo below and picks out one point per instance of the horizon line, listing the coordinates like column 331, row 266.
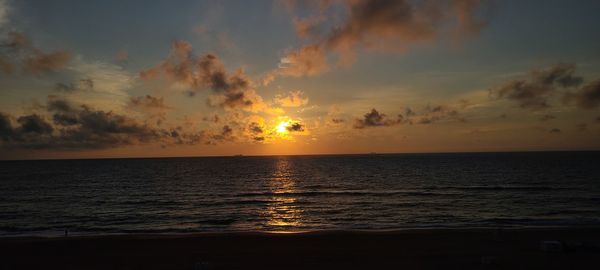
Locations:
column 308, row 155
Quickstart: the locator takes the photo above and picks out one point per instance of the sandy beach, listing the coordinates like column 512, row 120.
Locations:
column 408, row 249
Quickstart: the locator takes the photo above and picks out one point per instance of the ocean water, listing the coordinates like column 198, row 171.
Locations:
column 299, row 193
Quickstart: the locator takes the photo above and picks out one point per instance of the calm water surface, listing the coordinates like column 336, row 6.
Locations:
column 292, row 193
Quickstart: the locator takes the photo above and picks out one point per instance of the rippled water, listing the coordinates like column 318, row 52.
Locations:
column 287, row 193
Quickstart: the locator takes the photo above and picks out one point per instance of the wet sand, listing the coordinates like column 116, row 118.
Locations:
column 408, row 249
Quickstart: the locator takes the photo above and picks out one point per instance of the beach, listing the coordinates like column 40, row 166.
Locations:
column 402, row 249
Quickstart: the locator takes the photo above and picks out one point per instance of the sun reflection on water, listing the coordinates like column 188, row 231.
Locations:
column 283, row 212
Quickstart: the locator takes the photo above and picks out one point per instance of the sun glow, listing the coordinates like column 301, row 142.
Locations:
column 282, row 127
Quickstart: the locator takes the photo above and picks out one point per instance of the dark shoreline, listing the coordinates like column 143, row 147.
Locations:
column 407, row 249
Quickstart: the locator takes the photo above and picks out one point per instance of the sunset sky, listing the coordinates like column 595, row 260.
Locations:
column 194, row 78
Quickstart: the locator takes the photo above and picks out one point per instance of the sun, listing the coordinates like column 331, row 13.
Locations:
column 282, row 127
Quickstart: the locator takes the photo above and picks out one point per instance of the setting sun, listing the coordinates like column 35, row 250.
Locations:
column 282, row 127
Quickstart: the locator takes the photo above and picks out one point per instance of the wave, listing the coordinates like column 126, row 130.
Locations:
column 345, row 193
column 498, row 187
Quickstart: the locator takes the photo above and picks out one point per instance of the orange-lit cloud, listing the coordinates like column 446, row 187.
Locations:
column 230, row 91
column 292, row 99
column 33, row 60
column 377, row 25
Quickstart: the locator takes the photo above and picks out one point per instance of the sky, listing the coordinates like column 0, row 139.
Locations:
column 95, row 79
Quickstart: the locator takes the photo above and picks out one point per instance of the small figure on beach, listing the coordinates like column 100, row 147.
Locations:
column 66, row 232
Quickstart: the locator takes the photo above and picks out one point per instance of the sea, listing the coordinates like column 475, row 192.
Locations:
column 299, row 193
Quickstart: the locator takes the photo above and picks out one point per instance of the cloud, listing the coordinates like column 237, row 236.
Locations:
column 554, row 130
column 230, row 91
column 96, row 84
column 293, row 99
column 534, row 91
column 4, row 12
column 33, row 124
column 6, row 129
column 152, row 108
column 255, row 128
column 547, row 117
column 376, row 25
column 430, row 114
column 374, row 119
column 6, row 66
column 587, row 97
column 122, row 57
column 82, row 127
column 224, row 135
column 40, row 62
column 32, row 59
column 436, row 113
column 86, row 84
column 307, row 61
column 148, row 102
column 295, row 127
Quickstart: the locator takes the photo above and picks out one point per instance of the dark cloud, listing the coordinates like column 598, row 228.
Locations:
column 255, row 131
column 232, row 91
column 547, row 117
column 81, row 127
column 587, row 97
column 148, row 102
column 19, row 49
column 34, row 124
column 29, row 131
column 554, row 130
column 295, row 127
column 6, row 129
column 374, row 119
column 255, row 128
column 226, row 134
column 430, row 115
column 534, row 91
